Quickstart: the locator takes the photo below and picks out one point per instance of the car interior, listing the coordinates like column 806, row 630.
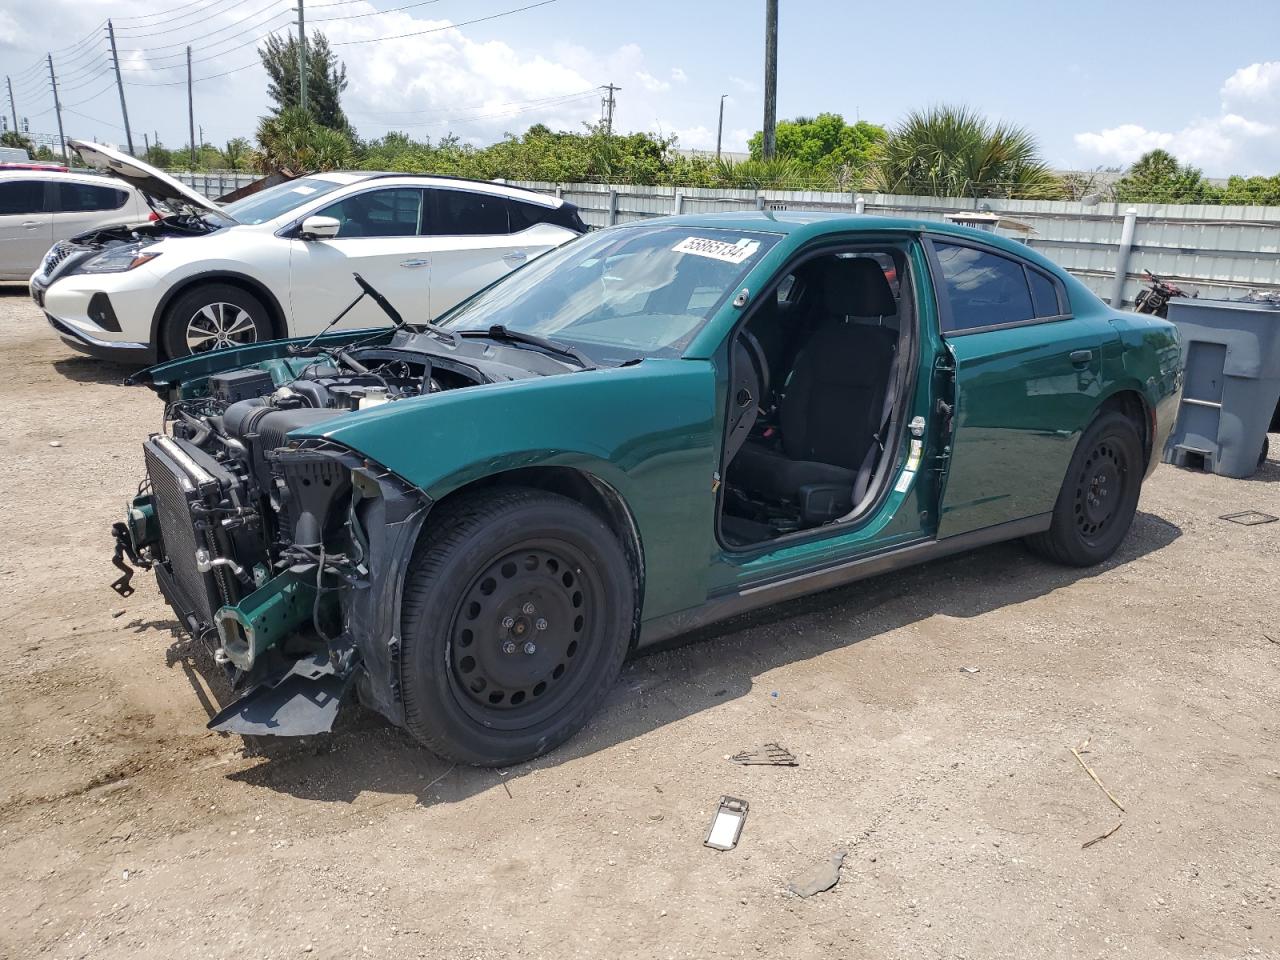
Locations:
column 816, row 380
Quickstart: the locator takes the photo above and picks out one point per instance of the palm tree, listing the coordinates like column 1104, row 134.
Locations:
column 956, row 152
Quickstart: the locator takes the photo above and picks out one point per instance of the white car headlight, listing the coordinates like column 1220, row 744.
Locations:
column 119, row 259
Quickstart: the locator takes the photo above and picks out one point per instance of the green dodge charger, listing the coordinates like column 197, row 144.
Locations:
column 468, row 523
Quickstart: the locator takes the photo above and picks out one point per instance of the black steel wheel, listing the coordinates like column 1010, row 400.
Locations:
column 517, row 614
column 1099, row 494
column 524, row 634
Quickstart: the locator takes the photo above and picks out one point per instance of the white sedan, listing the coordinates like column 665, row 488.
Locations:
column 280, row 262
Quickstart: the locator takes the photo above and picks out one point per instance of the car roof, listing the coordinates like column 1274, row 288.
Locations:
column 347, row 177
column 808, row 224
column 97, row 179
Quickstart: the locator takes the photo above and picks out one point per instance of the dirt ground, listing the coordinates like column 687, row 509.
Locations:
column 128, row 830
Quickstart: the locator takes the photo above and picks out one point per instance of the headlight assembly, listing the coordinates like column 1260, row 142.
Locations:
column 119, row 259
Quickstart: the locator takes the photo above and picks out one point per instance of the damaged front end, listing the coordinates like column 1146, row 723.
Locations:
column 285, row 557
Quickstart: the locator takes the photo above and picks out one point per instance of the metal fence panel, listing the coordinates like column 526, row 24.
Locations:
column 1224, row 251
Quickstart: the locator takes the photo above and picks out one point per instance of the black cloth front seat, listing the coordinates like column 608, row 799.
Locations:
column 833, row 401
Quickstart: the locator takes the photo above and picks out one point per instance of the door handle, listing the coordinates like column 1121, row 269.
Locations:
column 419, row 262
column 31, row 224
column 1081, row 357
column 516, row 256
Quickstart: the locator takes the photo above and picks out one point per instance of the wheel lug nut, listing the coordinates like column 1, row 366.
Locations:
column 508, row 623
column 530, row 648
column 529, row 609
column 509, row 647
column 541, row 623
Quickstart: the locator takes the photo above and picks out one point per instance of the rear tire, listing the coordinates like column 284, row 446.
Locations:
column 1099, row 495
column 213, row 316
column 517, row 615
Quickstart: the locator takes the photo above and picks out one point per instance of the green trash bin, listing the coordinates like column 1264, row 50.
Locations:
column 1231, row 384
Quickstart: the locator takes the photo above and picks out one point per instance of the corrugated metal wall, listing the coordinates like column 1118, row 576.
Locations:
column 1221, row 251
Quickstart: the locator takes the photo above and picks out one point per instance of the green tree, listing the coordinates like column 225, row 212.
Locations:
column 293, row 141
column 326, row 79
column 1255, row 190
column 826, row 144
column 158, row 156
column 1157, row 177
column 237, row 154
column 956, row 152
column 12, row 138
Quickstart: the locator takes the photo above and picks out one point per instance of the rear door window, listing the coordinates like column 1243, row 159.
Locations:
column 22, row 196
column 459, row 213
column 983, row 289
column 88, row 197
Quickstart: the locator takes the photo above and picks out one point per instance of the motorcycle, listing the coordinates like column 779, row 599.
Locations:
column 1155, row 299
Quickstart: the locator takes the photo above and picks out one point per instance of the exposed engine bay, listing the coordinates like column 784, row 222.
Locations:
column 70, row 256
column 280, row 553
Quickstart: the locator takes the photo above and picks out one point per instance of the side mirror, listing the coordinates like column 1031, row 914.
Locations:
column 319, row 228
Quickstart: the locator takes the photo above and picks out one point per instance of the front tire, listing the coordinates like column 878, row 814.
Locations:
column 517, row 615
column 213, row 316
column 1099, row 495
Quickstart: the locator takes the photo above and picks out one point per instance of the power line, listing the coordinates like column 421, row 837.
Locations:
column 452, row 26
column 216, row 43
column 198, row 25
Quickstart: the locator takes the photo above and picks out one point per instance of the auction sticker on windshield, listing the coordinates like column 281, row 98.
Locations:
column 738, row 252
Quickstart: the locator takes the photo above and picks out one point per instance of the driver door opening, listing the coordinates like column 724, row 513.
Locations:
column 819, row 373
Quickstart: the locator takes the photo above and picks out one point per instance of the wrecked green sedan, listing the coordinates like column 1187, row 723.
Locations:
column 468, row 524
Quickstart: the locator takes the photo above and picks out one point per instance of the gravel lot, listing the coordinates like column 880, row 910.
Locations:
column 128, row 830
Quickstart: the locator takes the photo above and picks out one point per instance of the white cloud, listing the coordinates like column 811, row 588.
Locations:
column 652, row 83
column 1235, row 141
column 746, row 86
column 11, row 34
column 1255, row 83
column 678, row 75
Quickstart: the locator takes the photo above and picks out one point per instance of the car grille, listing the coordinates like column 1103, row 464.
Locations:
column 196, row 595
column 57, row 253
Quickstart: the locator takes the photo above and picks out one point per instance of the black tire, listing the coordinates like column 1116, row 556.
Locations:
column 496, row 571
column 1099, row 495
column 228, row 315
column 1266, row 448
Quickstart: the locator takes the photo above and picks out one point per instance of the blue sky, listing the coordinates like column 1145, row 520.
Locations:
column 1097, row 82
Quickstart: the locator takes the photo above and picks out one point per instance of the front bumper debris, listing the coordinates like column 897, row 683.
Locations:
column 301, row 701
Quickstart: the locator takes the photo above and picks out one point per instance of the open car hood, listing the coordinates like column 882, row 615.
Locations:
column 154, row 183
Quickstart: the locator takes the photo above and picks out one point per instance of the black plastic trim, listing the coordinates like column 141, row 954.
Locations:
column 768, row 592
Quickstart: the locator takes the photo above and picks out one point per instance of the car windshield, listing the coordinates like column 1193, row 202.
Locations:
column 637, row 291
column 278, row 200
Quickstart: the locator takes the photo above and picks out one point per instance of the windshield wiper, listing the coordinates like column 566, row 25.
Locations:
column 499, row 332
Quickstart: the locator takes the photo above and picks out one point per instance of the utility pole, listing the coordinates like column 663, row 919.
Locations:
column 720, row 125
column 191, row 111
column 13, row 106
column 770, row 78
column 146, row 146
column 607, row 102
column 302, row 56
column 57, row 106
column 124, row 111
